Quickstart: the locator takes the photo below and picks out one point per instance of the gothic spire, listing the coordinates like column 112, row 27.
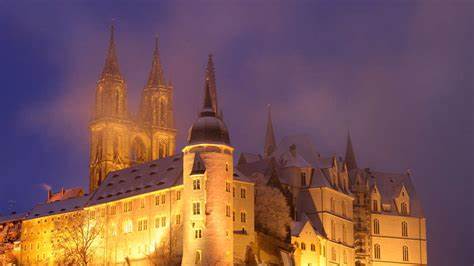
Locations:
column 111, row 67
column 350, row 158
column 270, row 143
column 156, row 73
column 210, row 87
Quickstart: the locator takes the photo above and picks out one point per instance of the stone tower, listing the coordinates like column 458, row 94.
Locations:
column 155, row 116
column 110, row 121
column 117, row 140
column 208, row 178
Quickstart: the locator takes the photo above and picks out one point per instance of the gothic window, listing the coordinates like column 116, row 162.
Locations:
column 405, row 253
column 377, row 251
column 376, row 227
column 138, row 153
column 162, row 112
column 404, row 229
column 163, row 148
column 99, row 147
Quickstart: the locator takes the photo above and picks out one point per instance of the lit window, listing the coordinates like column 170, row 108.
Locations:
column 178, row 195
column 198, row 257
column 227, row 211
column 163, row 221
column 196, row 184
column 197, row 233
column 377, row 251
column 157, row 222
column 143, row 225
column 405, row 253
column 178, row 219
column 157, row 200
column 333, row 254
column 227, row 187
column 243, row 217
column 127, row 226
column 313, row 247
column 243, row 193
column 404, row 229
column 303, row 246
column 376, row 227
column 142, row 203
column 196, row 208
column 163, row 199
column 127, row 207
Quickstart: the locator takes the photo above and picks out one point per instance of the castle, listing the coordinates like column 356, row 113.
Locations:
column 149, row 206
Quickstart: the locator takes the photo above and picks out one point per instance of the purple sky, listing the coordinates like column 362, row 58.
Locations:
column 399, row 75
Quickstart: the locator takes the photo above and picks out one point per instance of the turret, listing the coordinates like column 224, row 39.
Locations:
column 207, row 172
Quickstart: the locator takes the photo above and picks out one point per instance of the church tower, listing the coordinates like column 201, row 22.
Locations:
column 208, row 178
column 110, row 121
column 155, row 117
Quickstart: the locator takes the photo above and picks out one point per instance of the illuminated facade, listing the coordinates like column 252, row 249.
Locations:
column 149, row 206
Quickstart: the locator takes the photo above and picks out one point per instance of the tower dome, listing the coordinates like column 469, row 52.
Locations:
column 209, row 127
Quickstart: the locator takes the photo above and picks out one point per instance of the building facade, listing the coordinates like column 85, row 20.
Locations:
column 150, row 206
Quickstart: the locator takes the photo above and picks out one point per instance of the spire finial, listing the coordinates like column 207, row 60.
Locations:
column 270, row 143
column 111, row 66
column 350, row 158
column 156, row 78
column 210, row 94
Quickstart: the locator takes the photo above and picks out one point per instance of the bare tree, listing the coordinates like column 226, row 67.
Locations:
column 168, row 251
column 272, row 213
column 77, row 238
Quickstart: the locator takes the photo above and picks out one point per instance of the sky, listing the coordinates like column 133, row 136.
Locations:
column 398, row 74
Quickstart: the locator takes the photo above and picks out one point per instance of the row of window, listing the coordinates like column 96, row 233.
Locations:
column 128, row 206
column 377, row 252
column 403, row 207
column 142, row 224
column 333, row 231
column 243, row 191
column 377, row 227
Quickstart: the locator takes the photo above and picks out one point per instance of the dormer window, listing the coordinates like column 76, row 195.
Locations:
column 404, row 208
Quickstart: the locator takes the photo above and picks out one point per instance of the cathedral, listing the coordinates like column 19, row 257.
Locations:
column 150, row 204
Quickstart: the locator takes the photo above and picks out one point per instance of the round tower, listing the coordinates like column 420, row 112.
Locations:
column 207, row 179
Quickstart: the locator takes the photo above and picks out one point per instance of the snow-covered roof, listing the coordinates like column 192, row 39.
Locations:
column 139, row 179
column 247, row 157
column 57, row 207
column 389, row 186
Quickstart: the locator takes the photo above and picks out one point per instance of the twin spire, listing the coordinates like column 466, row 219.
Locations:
column 111, row 66
column 350, row 158
column 270, row 143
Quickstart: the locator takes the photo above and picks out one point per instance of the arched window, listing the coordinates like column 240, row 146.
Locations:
column 404, row 229
column 404, row 208
column 162, row 112
column 376, row 227
column 100, row 146
column 303, row 246
column 377, row 251
column 333, row 205
column 115, row 146
column 162, row 148
column 138, row 153
column 405, row 253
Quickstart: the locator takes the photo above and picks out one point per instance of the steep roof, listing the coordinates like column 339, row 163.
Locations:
column 139, row 179
column 57, row 207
